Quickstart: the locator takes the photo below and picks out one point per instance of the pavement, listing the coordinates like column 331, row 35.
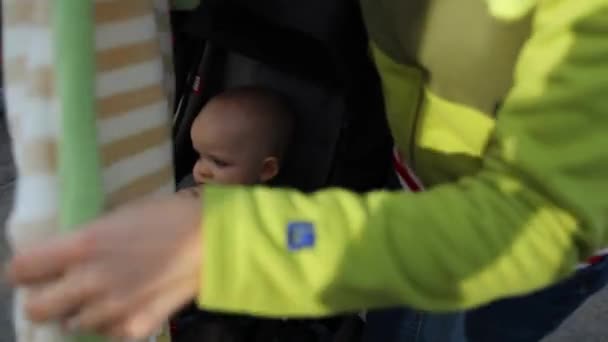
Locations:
column 588, row 324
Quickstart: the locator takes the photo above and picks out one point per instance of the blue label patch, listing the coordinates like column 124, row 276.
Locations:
column 300, row 235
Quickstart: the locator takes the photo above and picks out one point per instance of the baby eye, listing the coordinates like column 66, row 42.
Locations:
column 220, row 163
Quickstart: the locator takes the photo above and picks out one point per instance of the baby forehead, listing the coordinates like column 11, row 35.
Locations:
column 236, row 113
column 215, row 125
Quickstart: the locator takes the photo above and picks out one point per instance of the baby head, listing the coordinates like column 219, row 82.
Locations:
column 241, row 136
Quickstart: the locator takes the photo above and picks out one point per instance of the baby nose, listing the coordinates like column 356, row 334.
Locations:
column 202, row 172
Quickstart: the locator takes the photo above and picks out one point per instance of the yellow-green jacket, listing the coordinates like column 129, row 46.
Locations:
column 501, row 106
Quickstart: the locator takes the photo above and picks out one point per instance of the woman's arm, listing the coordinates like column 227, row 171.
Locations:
column 535, row 209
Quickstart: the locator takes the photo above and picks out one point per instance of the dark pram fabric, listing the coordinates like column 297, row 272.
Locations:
column 214, row 327
column 315, row 52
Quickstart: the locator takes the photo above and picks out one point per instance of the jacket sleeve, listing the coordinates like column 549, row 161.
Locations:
column 535, row 209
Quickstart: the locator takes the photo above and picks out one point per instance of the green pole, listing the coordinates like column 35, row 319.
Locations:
column 81, row 194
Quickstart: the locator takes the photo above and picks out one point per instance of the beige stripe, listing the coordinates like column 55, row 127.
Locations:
column 15, row 70
column 124, row 56
column 42, row 82
column 124, row 102
column 42, row 12
column 16, row 12
column 38, row 156
column 142, row 186
column 130, row 146
column 118, row 10
column 24, row 11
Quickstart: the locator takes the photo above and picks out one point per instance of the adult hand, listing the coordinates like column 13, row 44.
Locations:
column 120, row 276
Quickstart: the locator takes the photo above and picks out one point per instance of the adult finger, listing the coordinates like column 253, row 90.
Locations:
column 148, row 319
column 63, row 296
column 47, row 261
column 98, row 316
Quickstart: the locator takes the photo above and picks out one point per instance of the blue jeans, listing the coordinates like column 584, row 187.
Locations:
column 521, row 319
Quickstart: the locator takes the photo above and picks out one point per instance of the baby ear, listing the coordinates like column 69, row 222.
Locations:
column 270, row 168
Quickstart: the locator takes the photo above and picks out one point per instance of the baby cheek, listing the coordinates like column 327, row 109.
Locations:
column 198, row 168
column 235, row 176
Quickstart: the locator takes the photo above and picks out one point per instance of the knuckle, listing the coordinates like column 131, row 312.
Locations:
column 87, row 321
column 112, row 309
column 105, row 312
column 18, row 270
column 114, row 305
column 87, row 245
column 116, row 332
column 35, row 311
column 91, row 284
column 137, row 329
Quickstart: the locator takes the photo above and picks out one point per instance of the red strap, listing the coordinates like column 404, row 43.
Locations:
column 595, row 259
column 405, row 174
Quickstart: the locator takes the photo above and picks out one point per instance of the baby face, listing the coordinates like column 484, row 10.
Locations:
column 229, row 147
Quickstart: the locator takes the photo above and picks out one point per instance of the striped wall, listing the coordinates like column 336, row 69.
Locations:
column 134, row 90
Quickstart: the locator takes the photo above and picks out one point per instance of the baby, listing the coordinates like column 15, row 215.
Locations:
column 241, row 136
